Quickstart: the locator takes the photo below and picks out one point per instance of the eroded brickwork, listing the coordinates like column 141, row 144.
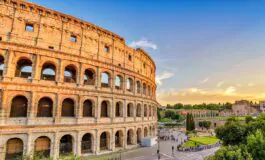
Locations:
column 70, row 86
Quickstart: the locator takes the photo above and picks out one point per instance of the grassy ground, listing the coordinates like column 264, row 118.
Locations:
column 192, row 142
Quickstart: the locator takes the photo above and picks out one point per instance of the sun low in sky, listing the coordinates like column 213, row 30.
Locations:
column 205, row 51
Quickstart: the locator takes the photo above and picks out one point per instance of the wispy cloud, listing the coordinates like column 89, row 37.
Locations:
column 205, row 80
column 163, row 76
column 220, row 83
column 230, row 90
column 251, row 84
column 143, row 43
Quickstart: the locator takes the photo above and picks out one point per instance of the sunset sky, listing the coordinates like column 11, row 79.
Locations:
column 205, row 50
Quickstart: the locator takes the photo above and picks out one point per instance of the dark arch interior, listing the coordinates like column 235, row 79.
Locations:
column 89, row 77
column 19, row 107
column 42, row 146
column 66, row 145
column 2, row 62
column 130, row 110
column 68, row 107
column 118, row 139
column 138, row 110
column 104, row 138
column 24, row 68
column 48, row 72
column 86, row 143
column 88, row 108
column 139, row 137
column 45, row 107
column 130, row 137
column 104, row 109
column 118, row 109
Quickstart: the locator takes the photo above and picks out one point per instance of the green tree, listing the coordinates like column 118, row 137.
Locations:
column 190, row 124
column 248, row 119
column 170, row 114
column 232, row 133
column 256, row 145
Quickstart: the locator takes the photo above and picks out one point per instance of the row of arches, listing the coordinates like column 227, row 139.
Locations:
column 49, row 73
column 19, row 108
column 42, row 145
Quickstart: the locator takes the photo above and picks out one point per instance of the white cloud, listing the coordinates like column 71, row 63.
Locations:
column 230, row 90
column 163, row 76
column 205, row 80
column 143, row 43
column 219, row 84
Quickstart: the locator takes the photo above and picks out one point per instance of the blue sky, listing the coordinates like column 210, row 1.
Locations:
column 205, row 50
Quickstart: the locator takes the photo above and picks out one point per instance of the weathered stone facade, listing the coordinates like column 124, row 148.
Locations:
column 70, row 86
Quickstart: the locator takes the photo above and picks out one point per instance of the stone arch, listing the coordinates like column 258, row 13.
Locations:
column 87, row 143
column 14, row 149
column 105, row 109
column 88, row 108
column 19, row 106
column 129, row 84
column 144, row 88
column 118, row 82
column 138, row 87
column 89, row 77
column 118, row 109
column 105, row 79
column 42, row 146
column 66, row 145
column 2, row 64
column 119, row 138
column 130, row 137
column 45, row 107
column 70, row 74
column 130, row 110
column 149, row 111
column 138, row 110
column 148, row 90
column 48, row 71
column 145, row 110
column 139, row 135
column 104, row 141
column 68, row 108
column 146, row 132
column 24, row 68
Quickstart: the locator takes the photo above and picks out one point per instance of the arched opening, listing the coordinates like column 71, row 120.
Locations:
column 138, row 87
column 148, row 91
column 104, row 141
column 118, row 82
column 145, row 132
column 144, row 89
column 130, row 137
column 139, row 136
column 88, row 109
column 45, row 106
column 48, row 72
column 24, row 68
column 129, row 85
column 145, row 110
column 66, row 145
column 104, row 109
column 14, row 149
column 2, row 63
column 86, row 144
column 130, row 110
column 89, row 77
column 119, row 138
column 70, row 74
column 68, row 108
column 150, row 111
column 118, row 109
column 19, row 107
column 42, row 147
column 138, row 110
column 105, row 80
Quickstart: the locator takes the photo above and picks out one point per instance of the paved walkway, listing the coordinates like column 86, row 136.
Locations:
column 166, row 153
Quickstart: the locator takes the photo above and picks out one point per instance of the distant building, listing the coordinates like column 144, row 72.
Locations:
column 198, row 113
column 244, row 107
column 262, row 106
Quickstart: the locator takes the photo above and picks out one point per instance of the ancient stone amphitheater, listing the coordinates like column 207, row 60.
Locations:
column 68, row 86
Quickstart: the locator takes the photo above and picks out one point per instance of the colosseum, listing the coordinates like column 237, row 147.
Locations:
column 69, row 86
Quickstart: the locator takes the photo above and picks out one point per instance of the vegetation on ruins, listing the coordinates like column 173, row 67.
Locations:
column 205, row 124
column 242, row 141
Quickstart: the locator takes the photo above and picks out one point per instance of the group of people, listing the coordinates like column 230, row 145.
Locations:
column 199, row 147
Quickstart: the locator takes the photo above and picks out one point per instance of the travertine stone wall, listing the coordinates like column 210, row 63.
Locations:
column 49, row 39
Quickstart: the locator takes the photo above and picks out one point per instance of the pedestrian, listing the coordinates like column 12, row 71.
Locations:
column 172, row 150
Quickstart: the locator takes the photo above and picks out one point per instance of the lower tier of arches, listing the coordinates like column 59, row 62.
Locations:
column 78, row 142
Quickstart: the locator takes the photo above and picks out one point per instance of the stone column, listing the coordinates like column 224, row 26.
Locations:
column 56, row 146
column 36, row 68
column 97, row 109
column 60, row 72
column 80, row 75
column 29, row 148
column 3, row 107
column 112, row 140
column 32, row 109
column 97, row 142
column 58, row 109
column 8, row 65
column 125, row 138
column 125, row 110
column 78, row 144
